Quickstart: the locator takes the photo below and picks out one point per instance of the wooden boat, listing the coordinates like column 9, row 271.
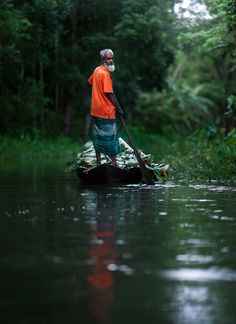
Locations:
column 107, row 173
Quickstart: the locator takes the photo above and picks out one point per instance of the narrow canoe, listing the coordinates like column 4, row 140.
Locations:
column 107, row 173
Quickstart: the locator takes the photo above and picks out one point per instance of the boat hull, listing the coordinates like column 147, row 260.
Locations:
column 106, row 173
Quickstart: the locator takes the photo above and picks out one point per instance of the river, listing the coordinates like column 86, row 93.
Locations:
column 118, row 254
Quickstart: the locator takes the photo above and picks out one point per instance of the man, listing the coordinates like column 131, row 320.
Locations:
column 104, row 106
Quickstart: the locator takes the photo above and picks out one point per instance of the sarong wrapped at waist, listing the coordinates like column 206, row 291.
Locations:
column 104, row 134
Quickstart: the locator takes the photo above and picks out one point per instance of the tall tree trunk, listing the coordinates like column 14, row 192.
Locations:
column 57, row 94
column 22, row 74
column 41, row 78
column 69, row 110
column 71, row 92
column 87, row 125
column 221, row 72
column 57, row 89
column 34, row 113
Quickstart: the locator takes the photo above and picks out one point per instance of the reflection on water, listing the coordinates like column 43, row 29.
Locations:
column 114, row 254
column 101, row 255
column 211, row 274
column 193, row 303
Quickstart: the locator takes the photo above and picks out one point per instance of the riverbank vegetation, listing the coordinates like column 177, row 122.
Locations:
column 204, row 156
column 175, row 75
column 26, row 147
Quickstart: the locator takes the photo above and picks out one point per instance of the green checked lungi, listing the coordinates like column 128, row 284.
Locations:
column 104, row 134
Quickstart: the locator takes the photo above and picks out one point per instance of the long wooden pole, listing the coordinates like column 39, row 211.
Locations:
column 146, row 175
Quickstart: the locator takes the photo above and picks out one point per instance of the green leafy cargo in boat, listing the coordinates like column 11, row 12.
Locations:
column 125, row 160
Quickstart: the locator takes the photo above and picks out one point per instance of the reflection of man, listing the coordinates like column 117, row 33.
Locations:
column 103, row 109
column 101, row 279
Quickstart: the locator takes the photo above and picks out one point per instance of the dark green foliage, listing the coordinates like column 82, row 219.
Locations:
column 51, row 47
column 27, row 62
column 204, row 156
column 171, row 74
column 212, row 47
column 200, row 88
column 180, row 108
column 146, row 27
column 231, row 109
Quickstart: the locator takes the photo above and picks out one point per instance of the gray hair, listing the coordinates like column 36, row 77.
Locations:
column 105, row 52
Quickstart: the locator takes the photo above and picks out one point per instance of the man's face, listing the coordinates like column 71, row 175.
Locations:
column 109, row 63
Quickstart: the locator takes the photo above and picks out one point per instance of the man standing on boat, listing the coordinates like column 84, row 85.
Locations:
column 104, row 107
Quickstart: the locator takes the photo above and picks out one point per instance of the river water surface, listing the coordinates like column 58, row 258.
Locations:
column 76, row 254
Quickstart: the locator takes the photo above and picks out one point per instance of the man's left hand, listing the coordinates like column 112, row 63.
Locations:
column 119, row 110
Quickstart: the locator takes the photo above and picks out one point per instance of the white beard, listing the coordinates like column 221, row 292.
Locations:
column 111, row 68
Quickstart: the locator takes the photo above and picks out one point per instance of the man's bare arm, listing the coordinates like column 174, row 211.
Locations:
column 114, row 101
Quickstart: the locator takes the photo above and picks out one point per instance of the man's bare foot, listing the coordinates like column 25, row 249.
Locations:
column 89, row 169
column 98, row 158
column 113, row 161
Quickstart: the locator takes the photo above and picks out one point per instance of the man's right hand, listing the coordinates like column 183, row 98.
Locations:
column 115, row 102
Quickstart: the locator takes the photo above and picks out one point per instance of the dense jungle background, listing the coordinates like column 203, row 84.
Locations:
column 175, row 70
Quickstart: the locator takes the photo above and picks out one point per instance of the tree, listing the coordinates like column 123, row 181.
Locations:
column 146, row 38
column 216, row 39
column 201, row 82
column 49, row 48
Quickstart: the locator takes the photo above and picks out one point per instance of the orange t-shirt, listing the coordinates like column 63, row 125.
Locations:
column 101, row 83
